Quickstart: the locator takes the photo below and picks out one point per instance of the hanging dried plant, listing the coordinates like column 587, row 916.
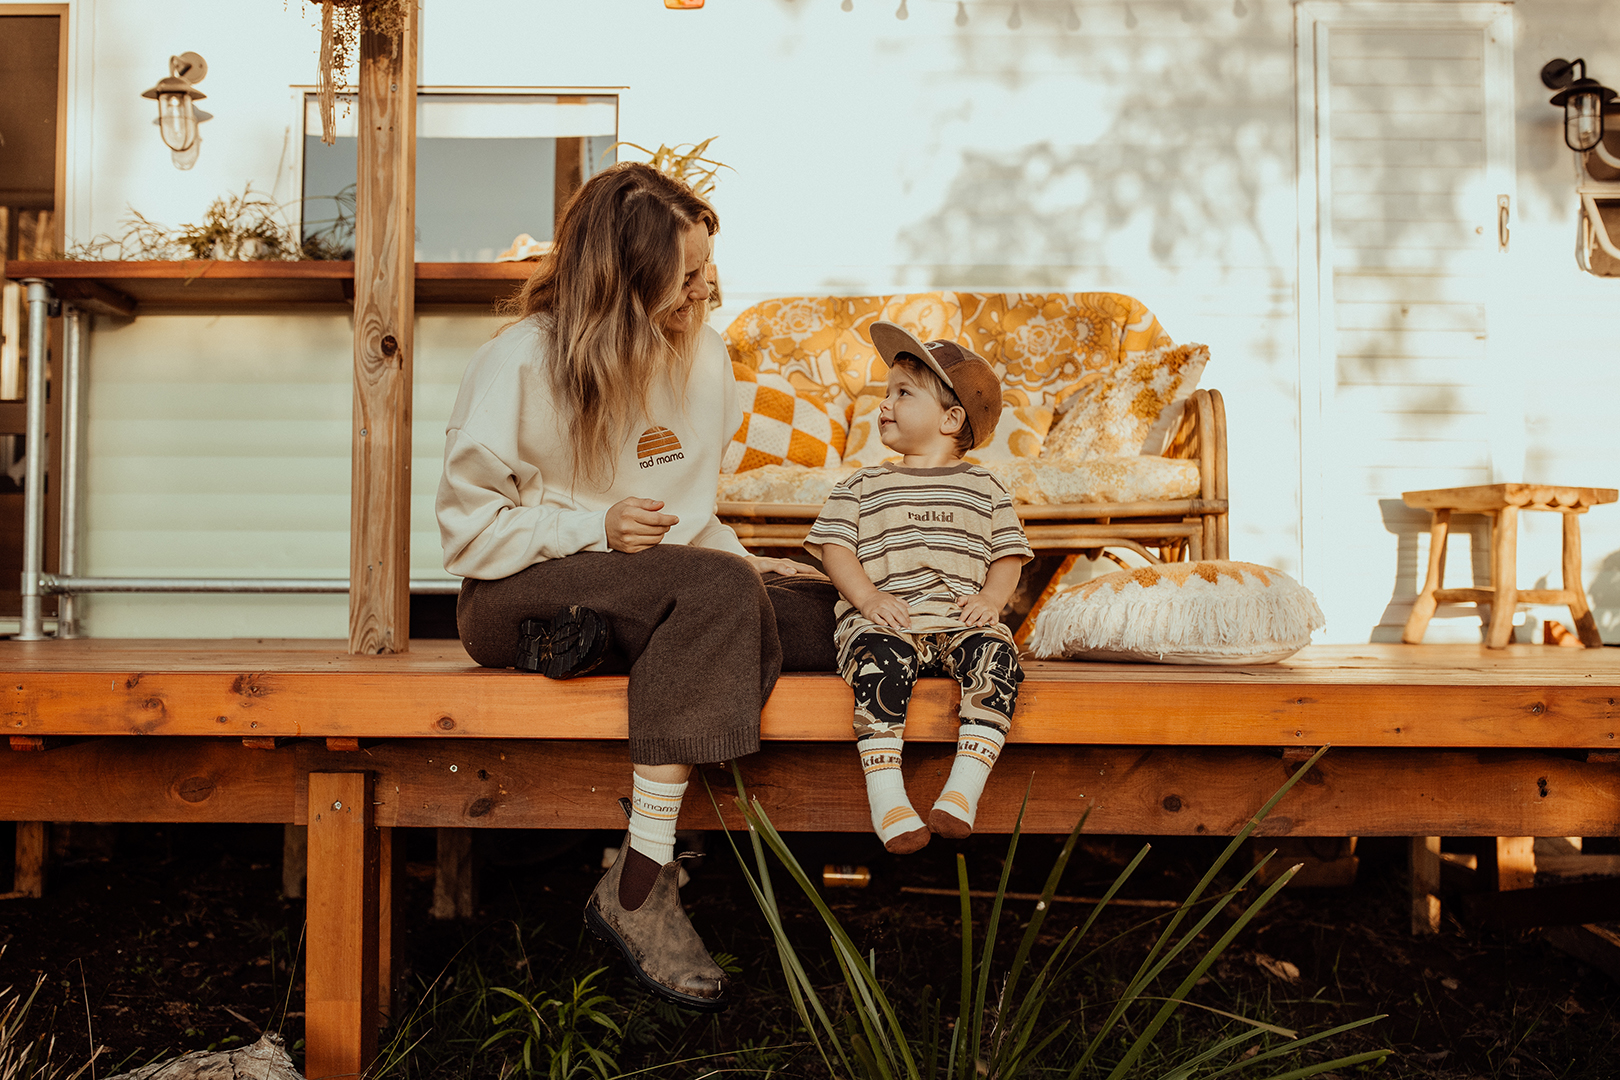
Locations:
column 342, row 23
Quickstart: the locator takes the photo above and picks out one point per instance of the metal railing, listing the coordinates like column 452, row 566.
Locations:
column 68, row 583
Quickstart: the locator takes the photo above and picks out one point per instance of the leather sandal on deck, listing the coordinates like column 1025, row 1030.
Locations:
column 657, row 939
column 570, row 643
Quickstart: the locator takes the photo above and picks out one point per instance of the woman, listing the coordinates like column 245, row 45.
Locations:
column 578, row 502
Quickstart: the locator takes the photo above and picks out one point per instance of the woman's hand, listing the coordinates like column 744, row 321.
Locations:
column 763, row 565
column 635, row 524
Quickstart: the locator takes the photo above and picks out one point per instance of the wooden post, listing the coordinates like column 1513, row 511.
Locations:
column 340, row 977
column 454, row 892
column 390, row 897
column 1515, row 862
column 384, row 314
column 33, row 857
column 1424, row 606
column 1425, row 852
column 294, row 860
column 1504, row 577
column 1585, row 626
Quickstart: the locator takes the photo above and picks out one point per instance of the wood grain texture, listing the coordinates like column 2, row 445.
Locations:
column 1483, row 498
column 33, row 859
column 455, row 890
column 574, row 784
column 1425, row 883
column 340, row 976
column 384, row 324
column 130, row 288
column 1362, row 695
column 390, row 926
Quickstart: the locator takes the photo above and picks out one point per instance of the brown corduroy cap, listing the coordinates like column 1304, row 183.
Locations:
column 969, row 375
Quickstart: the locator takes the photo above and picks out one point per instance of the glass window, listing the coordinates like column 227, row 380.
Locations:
column 488, row 167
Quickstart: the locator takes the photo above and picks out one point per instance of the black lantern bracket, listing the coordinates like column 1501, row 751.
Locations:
column 1590, row 112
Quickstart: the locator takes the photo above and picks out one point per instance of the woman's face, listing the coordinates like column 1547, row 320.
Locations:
column 696, row 245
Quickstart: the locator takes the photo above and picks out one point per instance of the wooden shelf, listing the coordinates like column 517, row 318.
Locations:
column 129, row 288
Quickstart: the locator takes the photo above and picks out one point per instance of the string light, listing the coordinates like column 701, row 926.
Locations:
column 961, row 13
column 848, row 5
column 901, row 12
column 1015, row 20
column 1073, row 20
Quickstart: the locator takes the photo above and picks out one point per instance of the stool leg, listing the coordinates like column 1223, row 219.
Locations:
column 1585, row 625
column 1423, row 607
column 1504, row 577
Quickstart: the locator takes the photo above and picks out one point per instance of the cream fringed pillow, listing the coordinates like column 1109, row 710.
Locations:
column 1019, row 435
column 1210, row 612
column 780, row 424
column 1131, row 409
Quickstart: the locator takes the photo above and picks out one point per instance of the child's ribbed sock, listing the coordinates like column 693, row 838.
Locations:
column 977, row 747
column 654, row 808
column 893, row 818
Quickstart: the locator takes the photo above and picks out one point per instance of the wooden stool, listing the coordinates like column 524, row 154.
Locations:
column 1503, row 502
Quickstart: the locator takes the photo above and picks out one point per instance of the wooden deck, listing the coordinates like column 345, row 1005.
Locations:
column 1428, row 741
column 1347, row 695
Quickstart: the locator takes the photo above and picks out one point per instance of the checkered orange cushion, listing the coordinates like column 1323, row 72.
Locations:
column 781, row 425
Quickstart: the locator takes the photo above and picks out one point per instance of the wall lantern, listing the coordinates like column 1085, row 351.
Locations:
column 1587, row 104
column 1583, row 99
column 178, row 116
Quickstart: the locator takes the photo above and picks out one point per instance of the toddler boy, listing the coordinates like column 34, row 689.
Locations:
column 925, row 553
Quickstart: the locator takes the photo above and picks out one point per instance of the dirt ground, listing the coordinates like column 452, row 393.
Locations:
column 176, row 938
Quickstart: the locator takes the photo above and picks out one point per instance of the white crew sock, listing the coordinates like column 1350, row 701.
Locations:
column 977, row 747
column 893, row 819
column 654, row 807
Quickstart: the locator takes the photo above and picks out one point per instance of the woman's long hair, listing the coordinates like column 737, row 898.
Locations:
column 615, row 273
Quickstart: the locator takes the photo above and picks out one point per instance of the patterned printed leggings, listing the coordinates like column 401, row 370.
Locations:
column 883, row 667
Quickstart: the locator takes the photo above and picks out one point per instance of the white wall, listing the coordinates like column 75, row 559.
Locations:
column 1151, row 152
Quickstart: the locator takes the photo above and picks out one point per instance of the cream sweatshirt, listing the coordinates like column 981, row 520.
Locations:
column 508, row 499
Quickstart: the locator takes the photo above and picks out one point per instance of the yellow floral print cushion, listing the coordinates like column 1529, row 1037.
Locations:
column 1037, row 483
column 780, row 424
column 1131, row 409
column 1018, row 435
column 863, row 447
column 1043, row 344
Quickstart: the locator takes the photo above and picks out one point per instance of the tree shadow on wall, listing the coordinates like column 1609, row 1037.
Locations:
column 1604, row 596
column 1195, row 152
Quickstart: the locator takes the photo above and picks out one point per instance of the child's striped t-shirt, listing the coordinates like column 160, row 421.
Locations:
column 926, row 535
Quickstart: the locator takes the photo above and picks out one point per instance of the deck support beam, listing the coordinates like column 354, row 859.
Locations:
column 384, row 318
column 340, row 977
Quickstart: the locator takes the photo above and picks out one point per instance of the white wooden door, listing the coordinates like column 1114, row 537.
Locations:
column 1406, row 161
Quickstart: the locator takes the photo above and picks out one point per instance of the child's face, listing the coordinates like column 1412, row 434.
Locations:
column 911, row 420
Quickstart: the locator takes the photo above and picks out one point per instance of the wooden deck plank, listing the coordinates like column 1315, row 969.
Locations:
column 482, row 783
column 1362, row 695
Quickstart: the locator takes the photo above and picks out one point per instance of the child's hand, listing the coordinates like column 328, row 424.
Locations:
column 887, row 609
column 978, row 611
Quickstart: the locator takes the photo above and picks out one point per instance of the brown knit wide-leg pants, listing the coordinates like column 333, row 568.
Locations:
column 700, row 634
